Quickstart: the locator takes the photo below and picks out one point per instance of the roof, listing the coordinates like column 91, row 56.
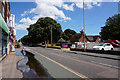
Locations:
column 90, row 38
column 61, row 40
column 75, row 38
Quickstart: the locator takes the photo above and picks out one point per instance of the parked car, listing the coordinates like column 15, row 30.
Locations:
column 103, row 46
column 73, row 46
column 115, row 43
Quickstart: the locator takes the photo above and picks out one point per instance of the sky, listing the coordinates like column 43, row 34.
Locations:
column 68, row 14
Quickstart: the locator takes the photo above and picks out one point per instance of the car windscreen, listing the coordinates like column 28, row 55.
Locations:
column 100, row 44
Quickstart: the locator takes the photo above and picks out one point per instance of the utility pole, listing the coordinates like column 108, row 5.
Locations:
column 51, row 35
column 119, row 8
column 84, row 24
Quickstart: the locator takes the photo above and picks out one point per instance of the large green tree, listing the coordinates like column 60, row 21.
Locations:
column 68, row 33
column 111, row 30
column 25, row 39
column 41, row 30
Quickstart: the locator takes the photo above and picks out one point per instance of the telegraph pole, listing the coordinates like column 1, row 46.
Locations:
column 84, row 24
column 119, row 8
column 51, row 35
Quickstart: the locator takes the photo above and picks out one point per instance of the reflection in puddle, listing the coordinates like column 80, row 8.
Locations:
column 31, row 68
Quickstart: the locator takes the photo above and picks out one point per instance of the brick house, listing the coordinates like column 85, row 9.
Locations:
column 88, row 38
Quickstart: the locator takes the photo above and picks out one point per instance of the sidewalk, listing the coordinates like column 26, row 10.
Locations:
column 9, row 65
column 108, row 56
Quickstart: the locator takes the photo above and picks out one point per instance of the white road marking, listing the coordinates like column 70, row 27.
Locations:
column 106, row 65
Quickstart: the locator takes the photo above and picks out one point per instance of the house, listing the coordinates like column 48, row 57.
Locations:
column 5, row 28
column 90, row 40
column 79, row 38
column 94, row 38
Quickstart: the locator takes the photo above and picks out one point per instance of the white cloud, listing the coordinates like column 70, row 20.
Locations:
column 79, row 5
column 71, row 7
column 21, row 26
column 89, row 4
column 25, row 12
column 26, row 21
column 52, row 8
column 46, row 9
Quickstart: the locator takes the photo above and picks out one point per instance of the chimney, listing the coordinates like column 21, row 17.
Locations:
column 82, row 32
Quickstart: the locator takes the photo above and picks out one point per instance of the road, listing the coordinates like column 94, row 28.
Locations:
column 80, row 65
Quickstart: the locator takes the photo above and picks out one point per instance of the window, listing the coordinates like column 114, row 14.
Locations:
column 4, row 41
column 101, row 44
column 3, row 10
column 107, row 44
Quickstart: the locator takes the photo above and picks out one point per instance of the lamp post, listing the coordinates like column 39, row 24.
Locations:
column 84, row 25
column 51, row 35
column 119, row 8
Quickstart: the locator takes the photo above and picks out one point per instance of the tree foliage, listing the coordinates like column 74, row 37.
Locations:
column 25, row 39
column 68, row 33
column 111, row 30
column 41, row 30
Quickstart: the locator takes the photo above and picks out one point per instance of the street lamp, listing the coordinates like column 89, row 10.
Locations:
column 119, row 8
column 84, row 25
column 51, row 35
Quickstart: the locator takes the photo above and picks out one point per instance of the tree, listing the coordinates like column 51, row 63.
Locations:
column 41, row 30
column 111, row 30
column 25, row 40
column 68, row 33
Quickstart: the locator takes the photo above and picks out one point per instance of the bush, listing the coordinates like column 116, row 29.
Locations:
column 59, row 44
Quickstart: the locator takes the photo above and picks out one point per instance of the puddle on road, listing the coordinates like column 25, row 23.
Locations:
column 31, row 68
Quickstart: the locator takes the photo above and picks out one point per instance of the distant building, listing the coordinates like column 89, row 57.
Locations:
column 88, row 38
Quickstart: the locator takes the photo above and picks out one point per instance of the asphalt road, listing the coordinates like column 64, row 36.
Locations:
column 86, row 66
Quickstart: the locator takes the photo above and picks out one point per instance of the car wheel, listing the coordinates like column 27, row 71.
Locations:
column 102, row 49
column 111, row 49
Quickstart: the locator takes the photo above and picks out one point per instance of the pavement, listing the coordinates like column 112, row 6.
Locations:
column 8, row 65
column 108, row 56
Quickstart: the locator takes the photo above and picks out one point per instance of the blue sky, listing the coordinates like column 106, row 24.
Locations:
column 69, row 15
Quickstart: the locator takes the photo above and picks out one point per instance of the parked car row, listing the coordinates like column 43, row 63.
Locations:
column 107, row 45
column 115, row 43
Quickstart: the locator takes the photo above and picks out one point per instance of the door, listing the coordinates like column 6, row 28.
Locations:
column 107, row 47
